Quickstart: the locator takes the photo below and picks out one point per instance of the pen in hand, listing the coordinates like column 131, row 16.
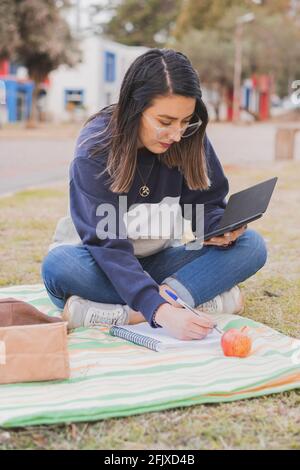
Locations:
column 181, row 302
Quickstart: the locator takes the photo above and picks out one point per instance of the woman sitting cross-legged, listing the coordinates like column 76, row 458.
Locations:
column 117, row 252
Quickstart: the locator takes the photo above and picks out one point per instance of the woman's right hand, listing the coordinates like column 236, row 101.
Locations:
column 182, row 323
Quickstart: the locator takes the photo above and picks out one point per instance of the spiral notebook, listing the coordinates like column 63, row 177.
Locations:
column 159, row 339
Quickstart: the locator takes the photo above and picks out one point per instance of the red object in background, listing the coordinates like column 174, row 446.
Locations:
column 254, row 81
column 46, row 82
column 264, row 83
column 264, row 102
column 229, row 105
column 264, row 106
column 4, row 68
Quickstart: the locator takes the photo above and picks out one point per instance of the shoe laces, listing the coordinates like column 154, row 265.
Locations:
column 211, row 305
column 105, row 317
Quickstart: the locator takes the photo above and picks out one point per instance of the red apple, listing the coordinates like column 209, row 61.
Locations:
column 236, row 343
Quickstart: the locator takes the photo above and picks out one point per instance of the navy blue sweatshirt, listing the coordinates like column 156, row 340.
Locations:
column 118, row 256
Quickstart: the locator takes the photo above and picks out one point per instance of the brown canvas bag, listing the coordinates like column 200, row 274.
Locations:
column 33, row 346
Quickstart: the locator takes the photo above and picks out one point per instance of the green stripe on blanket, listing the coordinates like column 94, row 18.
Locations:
column 111, row 377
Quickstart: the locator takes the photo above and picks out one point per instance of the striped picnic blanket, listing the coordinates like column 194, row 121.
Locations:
column 111, row 377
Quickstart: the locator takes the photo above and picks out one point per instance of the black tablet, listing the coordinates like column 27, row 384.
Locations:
column 244, row 207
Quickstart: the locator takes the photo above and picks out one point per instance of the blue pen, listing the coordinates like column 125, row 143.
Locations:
column 181, row 302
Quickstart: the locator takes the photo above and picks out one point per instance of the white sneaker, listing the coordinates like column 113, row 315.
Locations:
column 231, row 302
column 80, row 312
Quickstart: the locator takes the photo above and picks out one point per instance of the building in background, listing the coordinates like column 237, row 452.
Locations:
column 256, row 93
column 71, row 93
column 256, row 96
column 75, row 93
column 16, row 92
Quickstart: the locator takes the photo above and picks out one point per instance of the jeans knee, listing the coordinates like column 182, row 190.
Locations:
column 257, row 249
column 52, row 271
column 45, row 266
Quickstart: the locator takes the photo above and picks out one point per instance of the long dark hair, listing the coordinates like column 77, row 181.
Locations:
column 157, row 72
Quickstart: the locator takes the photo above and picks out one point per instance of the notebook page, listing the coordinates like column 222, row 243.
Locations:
column 162, row 334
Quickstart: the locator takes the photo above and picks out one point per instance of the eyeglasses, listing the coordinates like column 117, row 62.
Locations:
column 169, row 131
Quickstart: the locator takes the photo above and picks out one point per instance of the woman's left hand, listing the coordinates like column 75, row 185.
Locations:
column 227, row 238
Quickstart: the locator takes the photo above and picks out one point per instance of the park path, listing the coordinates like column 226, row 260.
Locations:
column 33, row 159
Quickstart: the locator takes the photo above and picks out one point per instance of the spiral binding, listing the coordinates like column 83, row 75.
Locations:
column 136, row 338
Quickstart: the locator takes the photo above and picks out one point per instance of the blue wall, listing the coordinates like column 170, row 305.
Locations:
column 12, row 88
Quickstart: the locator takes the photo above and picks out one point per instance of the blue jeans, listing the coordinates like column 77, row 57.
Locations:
column 196, row 275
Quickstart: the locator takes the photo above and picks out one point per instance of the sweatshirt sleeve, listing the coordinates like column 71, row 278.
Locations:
column 213, row 198
column 112, row 252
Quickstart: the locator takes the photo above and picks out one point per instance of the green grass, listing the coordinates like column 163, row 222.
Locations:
column 27, row 223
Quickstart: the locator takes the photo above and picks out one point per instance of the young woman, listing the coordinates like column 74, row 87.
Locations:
column 147, row 150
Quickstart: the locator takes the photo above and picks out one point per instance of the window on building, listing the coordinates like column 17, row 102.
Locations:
column 110, row 67
column 73, row 99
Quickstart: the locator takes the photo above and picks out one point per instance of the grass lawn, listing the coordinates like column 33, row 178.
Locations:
column 27, row 222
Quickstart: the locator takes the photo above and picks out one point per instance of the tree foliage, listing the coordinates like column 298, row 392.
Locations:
column 141, row 22
column 202, row 14
column 34, row 34
column 272, row 47
column 269, row 46
column 206, row 14
column 9, row 34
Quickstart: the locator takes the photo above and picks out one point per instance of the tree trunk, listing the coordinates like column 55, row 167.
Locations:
column 32, row 122
column 219, row 89
column 217, row 111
